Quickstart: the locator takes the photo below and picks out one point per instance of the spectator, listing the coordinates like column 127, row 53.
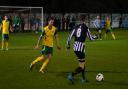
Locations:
column 120, row 22
column 22, row 24
column 67, row 22
column 32, row 23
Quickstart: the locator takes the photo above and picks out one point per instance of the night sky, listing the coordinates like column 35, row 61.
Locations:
column 64, row 6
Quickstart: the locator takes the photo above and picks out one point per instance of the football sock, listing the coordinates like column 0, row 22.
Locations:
column 105, row 35
column 2, row 44
column 83, row 73
column 6, row 44
column 44, row 64
column 113, row 36
column 100, row 35
column 97, row 36
column 37, row 59
column 77, row 70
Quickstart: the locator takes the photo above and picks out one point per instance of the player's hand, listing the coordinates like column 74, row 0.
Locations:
column 11, row 30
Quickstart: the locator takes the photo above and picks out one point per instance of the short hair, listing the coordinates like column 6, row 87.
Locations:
column 50, row 18
column 82, row 17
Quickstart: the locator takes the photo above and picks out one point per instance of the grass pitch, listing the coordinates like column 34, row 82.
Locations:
column 109, row 57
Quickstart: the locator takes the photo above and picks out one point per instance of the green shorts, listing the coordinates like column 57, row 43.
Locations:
column 110, row 29
column 47, row 50
column 5, row 37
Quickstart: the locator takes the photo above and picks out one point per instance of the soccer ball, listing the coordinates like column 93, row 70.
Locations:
column 99, row 77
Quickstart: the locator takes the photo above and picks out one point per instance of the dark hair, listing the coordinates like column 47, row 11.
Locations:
column 82, row 17
column 50, row 18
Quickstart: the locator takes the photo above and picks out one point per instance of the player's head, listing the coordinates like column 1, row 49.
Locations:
column 82, row 18
column 107, row 18
column 51, row 21
column 6, row 17
column 98, row 17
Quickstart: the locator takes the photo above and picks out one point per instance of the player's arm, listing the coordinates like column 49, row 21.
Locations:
column 39, row 39
column 1, row 27
column 94, row 23
column 89, row 35
column 70, row 38
column 11, row 27
column 57, row 40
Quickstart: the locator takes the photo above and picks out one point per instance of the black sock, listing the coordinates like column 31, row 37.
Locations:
column 78, row 70
column 83, row 73
column 96, row 34
column 100, row 35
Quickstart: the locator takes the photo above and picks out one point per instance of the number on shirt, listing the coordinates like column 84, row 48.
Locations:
column 78, row 32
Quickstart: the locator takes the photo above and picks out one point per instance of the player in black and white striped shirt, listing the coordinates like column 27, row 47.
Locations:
column 80, row 32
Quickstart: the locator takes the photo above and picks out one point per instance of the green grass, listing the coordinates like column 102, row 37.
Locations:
column 109, row 57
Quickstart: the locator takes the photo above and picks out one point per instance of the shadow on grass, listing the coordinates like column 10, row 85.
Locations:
column 64, row 73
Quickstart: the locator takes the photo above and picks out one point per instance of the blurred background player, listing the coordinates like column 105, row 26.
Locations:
column 48, row 34
column 5, row 27
column 97, row 24
column 108, row 28
column 80, row 32
column 16, row 21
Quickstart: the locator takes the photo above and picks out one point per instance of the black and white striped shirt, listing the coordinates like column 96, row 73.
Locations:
column 80, row 33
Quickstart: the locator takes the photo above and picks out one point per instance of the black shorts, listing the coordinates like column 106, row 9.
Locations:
column 108, row 30
column 47, row 50
column 5, row 37
column 80, row 56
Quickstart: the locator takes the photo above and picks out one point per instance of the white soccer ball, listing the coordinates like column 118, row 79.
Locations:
column 99, row 77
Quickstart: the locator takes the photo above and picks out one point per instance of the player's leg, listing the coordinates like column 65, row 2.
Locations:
column 100, row 35
column 106, row 32
column 3, row 43
column 41, row 58
column 82, row 65
column 113, row 36
column 6, row 45
column 74, row 73
column 97, row 33
column 48, row 51
column 77, row 71
column 45, row 64
column 80, row 68
column 6, row 41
